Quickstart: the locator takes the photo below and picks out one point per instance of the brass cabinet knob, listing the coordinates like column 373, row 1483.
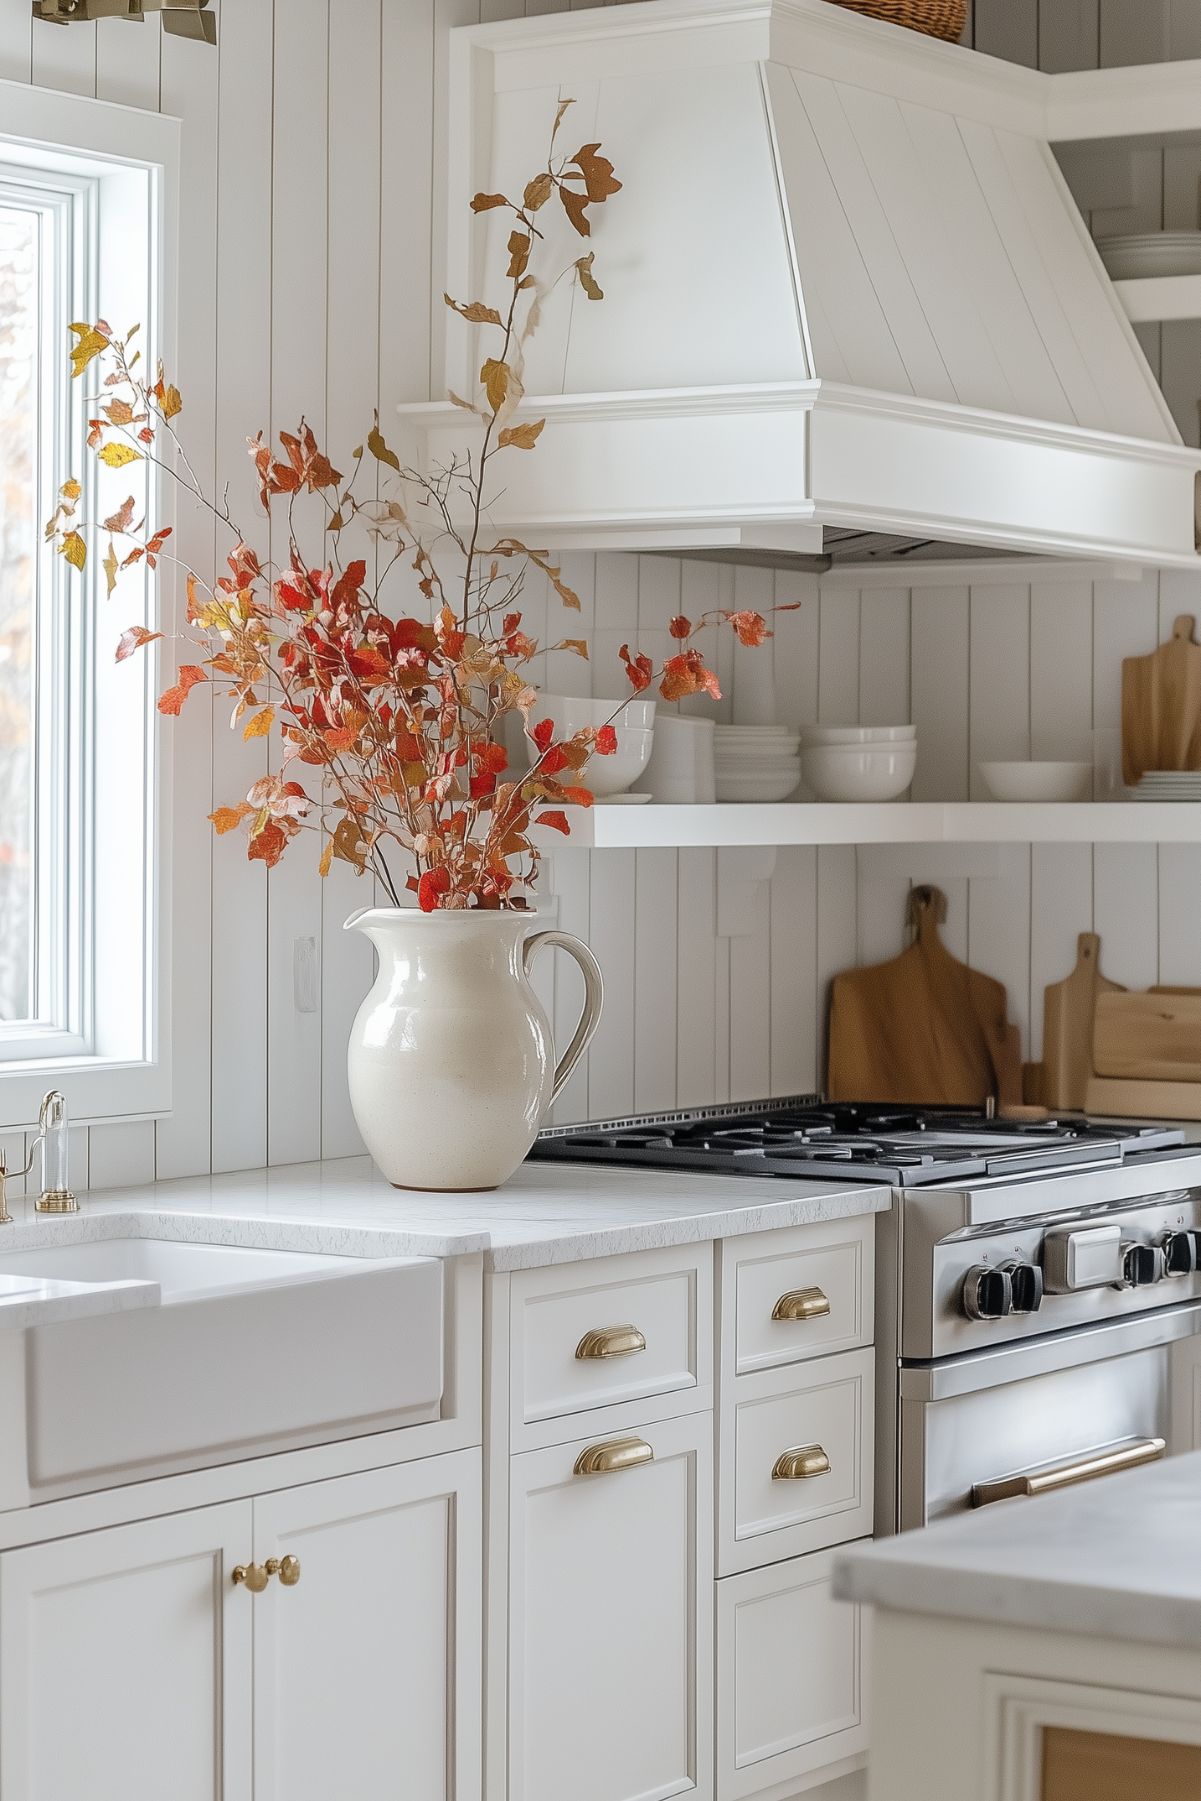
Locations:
column 802, row 1304
column 801, row 1464
column 618, row 1454
column 254, row 1576
column 610, row 1341
column 286, row 1568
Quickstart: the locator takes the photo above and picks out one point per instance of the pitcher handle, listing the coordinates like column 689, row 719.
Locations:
column 594, row 994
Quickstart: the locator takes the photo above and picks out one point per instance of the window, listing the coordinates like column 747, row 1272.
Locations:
column 83, row 227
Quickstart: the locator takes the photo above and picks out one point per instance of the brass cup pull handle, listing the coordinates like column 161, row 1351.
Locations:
column 618, row 1454
column 801, row 1464
column 1128, row 1456
column 610, row 1341
column 254, row 1576
column 802, row 1304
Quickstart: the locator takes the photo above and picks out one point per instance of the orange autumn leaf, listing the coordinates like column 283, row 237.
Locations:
column 521, row 437
column 495, row 377
column 751, row 627
column 483, row 203
column 133, row 639
column 227, row 819
column 597, row 171
column 267, row 845
column 688, row 674
column 556, row 821
column 172, row 701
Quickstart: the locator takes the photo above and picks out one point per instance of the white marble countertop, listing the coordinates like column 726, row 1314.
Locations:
column 548, row 1214
column 1116, row 1558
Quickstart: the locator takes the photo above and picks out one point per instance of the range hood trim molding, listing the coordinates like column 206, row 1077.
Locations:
column 812, row 441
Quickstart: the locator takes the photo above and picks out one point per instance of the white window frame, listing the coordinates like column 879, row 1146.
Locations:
column 104, row 181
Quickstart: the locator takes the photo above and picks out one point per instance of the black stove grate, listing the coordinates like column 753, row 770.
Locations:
column 801, row 1136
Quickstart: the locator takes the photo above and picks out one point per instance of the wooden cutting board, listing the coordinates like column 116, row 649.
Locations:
column 1150, row 1037
column 924, row 1028
column 1161, row 706
column 1069, row 1008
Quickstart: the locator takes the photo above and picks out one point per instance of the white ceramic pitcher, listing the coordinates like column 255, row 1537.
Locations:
column 451, row 1059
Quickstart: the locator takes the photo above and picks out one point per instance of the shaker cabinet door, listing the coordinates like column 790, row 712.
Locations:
column 367, row 1643
column 611, row 1617
column 126, row 1660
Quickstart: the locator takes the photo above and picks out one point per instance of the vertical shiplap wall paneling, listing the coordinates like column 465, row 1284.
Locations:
column 1179, row 864
column 245, row 110
column 1068, row 35
column 189, row 80
column 355, row 187
column 16, row 43
column 299, row 349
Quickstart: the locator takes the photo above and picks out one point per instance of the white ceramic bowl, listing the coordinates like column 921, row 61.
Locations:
column 858, row 734
column 851, row 772
column 763, row 785
column 1038, row 781
column 603, row 776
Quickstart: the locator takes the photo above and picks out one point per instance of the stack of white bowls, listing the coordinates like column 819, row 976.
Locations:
column 756, row 762
column 859, row 762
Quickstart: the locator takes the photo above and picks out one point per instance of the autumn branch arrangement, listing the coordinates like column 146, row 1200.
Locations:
column 385, row 723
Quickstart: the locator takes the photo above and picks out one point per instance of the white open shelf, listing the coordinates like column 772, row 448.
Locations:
column 1152, row 300
column 899, row 822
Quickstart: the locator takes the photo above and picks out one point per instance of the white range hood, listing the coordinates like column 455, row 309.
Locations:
column 847, row 289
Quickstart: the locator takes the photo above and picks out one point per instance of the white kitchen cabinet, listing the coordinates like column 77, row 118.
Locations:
column 126, row 1660
column 367, row 1670
column 610, row 1634
column 136, row 1669
column 790, row 1677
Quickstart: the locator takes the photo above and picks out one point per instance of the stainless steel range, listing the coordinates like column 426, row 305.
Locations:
column 1038, row 1284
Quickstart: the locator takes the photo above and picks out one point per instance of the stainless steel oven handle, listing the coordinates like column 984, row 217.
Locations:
column 1127, row 1456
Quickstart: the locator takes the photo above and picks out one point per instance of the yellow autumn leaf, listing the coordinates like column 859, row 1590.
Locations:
column 171, row 402
column 538, row 191
column 380, row 449
column 91, row 344
column 495, row 377
column 261, row 724
column 110, row 567
column 70, row 490
column 75, row 550
column 327, row 858
column 521, row 437
column 116, row 456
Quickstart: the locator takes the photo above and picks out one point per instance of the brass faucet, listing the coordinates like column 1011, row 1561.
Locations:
column 56, row 1196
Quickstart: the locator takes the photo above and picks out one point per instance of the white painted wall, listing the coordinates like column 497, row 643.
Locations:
column 310, row 141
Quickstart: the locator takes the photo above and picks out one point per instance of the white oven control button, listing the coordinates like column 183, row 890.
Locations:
column 1076, row 1257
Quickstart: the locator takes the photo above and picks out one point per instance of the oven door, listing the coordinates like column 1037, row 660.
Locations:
column 1033, row 1417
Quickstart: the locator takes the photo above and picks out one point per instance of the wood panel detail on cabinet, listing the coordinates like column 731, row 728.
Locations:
column 790, row 1676
column 610, row 1680
column 826, row 1405
column 788, row 1296
column 557, row 1315
column 127, row 1663
column 367, row 1671
column 1095, row 1766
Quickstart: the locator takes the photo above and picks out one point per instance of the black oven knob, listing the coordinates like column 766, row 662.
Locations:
column 1142, row 1265
column 1026, row 1287
column 1182, row 1252
column 987, row 1292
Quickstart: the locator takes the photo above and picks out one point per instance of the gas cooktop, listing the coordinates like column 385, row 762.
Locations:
column 804, row 1136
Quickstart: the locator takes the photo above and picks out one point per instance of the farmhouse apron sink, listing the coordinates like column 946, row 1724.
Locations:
column 209, row 1353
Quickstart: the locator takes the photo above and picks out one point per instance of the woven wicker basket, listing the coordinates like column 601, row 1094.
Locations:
column 937, row 18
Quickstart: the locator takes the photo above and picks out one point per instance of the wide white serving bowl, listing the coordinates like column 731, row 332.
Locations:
column 850, row 772
column 760, row 785
column 858, row 734
column 634, row 722
column 1038, row 781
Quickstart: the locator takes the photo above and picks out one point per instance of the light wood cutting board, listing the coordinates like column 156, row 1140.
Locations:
column 1150, row 1037
column 1069, row 1008
column 924, row 1028
column 1161, row 706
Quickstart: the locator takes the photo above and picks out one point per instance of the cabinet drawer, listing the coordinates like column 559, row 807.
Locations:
column 790, row 1676
column 776, row 1505
column 791, row 1295
column 618, row 1329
